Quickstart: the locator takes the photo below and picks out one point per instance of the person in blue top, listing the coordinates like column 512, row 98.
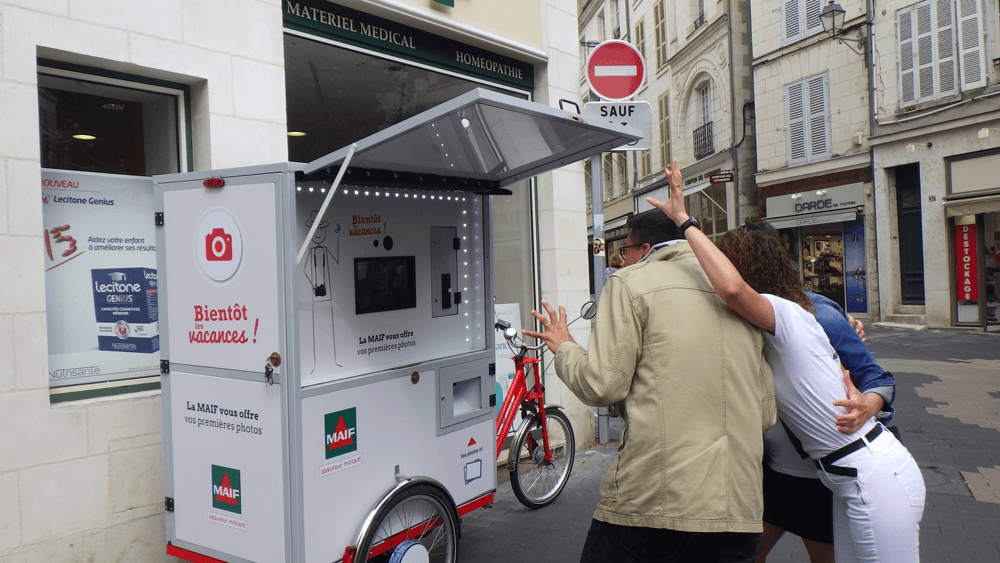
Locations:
column 794, row 498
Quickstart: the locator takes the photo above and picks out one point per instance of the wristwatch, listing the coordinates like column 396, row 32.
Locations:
column 691, row 222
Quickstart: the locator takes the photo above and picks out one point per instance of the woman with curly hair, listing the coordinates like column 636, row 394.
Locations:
column 878, row 492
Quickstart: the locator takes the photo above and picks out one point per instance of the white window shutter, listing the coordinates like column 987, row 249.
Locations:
column 904, row 37
column 795, row 108
column 971, row 45
column 819, row 130
column 812, row 23
column 945, row 46
column 924, row 39
column 792, row 27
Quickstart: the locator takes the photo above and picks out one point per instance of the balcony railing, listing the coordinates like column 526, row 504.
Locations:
column 700, row 21
column 617, row 33
column 703, row 145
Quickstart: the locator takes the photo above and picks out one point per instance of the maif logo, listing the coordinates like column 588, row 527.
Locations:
column 341, row 432
column 218, row 244
column 226, row 489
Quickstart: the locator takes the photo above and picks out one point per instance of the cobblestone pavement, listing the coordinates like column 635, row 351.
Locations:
column 948, row 409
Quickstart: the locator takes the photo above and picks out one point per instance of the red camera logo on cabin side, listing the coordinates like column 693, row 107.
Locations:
column 218, row 245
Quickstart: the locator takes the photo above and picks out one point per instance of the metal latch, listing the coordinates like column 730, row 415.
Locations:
column 168, row 504
column 273, row 361
column 158, row 218
column 164, row 366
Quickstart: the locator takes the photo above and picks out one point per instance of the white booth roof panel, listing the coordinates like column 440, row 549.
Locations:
column 484, row 136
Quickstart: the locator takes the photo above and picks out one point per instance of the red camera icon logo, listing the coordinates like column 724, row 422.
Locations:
column 218, row 246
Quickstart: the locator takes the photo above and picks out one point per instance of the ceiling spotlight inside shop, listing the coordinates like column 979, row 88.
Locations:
column 296, row 134
column 84, row 137
column 114, row 106
column 465, row 123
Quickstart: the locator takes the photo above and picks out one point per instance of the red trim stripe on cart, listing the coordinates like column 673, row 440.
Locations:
column 383, row 547
column 190, row 555
column 474, row 504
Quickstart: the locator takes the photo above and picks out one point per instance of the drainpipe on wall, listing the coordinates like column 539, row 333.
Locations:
column 872, row 265
column 734, row 152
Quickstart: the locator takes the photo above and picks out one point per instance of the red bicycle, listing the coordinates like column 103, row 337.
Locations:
column 542, row 450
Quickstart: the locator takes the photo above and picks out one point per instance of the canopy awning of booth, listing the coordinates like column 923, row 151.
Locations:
column 479, row 141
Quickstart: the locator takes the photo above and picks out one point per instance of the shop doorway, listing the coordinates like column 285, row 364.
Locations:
column 823, row 261
column 911, row 237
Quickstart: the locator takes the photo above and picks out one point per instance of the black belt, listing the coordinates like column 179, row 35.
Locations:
column 826, row 462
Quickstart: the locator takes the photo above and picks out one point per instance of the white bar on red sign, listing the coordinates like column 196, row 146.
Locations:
column 616, row 70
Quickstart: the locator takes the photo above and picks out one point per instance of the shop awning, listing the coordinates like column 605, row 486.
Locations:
column 479, row 141
column 837, row 216
column 972, row 205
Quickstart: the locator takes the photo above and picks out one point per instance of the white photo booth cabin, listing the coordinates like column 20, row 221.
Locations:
column 308, row 387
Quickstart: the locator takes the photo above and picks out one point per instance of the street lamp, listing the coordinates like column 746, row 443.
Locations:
column 832, row 18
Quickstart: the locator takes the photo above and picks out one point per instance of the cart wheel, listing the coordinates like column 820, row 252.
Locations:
column 419, row 524
column 537, row 483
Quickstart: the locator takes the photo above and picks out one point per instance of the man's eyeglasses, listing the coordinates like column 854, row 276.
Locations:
column 621, row 250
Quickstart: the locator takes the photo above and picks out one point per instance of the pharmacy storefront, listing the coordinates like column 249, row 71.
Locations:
column 349, row 74
column 824, row 232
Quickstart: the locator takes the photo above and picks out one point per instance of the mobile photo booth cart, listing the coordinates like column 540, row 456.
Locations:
column 327, row 336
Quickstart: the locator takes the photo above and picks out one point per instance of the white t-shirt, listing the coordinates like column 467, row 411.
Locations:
column 807, row 379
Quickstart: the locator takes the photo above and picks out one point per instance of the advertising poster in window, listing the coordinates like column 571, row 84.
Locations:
column 510, row 312
column 100, row 277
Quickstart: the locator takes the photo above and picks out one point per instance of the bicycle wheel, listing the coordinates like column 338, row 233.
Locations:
column 537, row 483
column 419, row 524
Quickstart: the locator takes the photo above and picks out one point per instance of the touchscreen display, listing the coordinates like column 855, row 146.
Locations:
column 384, row 284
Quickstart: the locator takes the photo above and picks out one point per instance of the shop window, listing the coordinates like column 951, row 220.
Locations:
column 336, row 96
column 939, row 48
column 800, row 19
column 101, row 138
column 807, row 110
column 709, row 208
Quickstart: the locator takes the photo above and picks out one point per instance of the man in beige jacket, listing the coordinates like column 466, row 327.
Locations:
column 686, row 484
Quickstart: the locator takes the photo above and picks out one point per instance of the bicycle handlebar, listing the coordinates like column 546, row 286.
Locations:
column 514, row 340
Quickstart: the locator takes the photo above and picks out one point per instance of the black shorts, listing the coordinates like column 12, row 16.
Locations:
column 798, row 505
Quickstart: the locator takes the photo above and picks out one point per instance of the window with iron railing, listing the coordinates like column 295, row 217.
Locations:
column 700, row 20
column 703, row 144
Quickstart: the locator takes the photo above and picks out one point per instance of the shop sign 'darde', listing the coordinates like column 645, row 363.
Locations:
column 615, row 70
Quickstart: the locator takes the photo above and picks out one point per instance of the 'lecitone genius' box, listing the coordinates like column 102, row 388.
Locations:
column 125, row 304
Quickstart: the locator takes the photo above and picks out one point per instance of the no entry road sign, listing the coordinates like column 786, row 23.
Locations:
column 615, row 70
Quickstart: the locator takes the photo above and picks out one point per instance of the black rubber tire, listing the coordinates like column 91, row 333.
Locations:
column 410, row 508
column 535, row 483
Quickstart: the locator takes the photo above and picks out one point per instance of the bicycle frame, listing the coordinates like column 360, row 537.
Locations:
column 518, row 395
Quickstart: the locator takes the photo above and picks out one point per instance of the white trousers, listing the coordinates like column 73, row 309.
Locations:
column 876, row 515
